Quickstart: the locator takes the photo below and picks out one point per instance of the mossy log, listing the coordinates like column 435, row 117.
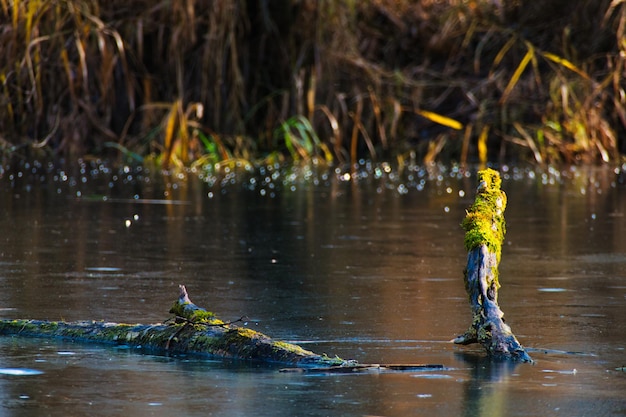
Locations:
column 484, row 233
column 192, row 330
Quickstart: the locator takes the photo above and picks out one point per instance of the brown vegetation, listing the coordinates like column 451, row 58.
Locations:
column 210, row 82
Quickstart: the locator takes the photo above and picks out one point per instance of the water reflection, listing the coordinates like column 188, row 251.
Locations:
column 366, row 270
column 485, row 393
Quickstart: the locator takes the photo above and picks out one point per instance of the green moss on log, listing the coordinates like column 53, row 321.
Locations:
column 484, row 223
column 194, row 314
column 184, row 308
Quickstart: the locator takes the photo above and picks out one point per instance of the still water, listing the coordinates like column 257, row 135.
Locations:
column 366, row 267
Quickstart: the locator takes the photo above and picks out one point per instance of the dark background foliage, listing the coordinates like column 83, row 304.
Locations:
column 217, row 80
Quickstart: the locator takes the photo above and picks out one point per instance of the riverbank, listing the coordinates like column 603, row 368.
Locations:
column 212, row 85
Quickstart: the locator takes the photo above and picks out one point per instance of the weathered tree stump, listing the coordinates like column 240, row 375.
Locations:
column 484, row 233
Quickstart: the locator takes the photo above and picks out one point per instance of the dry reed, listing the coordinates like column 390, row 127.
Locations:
column 205, row 82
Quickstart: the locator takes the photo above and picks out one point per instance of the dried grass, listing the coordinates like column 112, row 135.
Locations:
column 194, row 82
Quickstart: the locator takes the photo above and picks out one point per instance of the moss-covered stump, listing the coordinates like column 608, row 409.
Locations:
column 484, row 233
column 192, row 331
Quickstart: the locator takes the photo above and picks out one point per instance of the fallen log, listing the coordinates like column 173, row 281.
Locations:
column 192, row 330
column 484, row 233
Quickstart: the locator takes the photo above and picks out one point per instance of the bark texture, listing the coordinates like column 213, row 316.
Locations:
column 484, row 233
column 193, row 330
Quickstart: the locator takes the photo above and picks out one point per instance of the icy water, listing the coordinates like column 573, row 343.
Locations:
column 367, row 267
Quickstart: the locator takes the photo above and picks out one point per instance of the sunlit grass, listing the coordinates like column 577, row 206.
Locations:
column 209, row 85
